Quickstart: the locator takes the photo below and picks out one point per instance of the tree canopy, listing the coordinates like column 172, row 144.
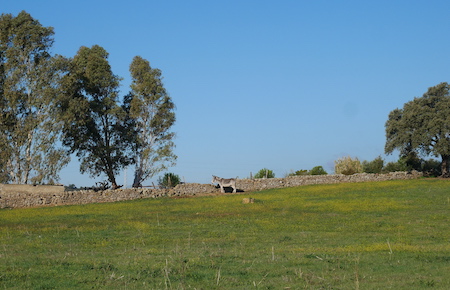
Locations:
column 422, row 125
column 265, row 173
column 47, row 100
column 94, row 123
column 152, row 112
column 29, row 78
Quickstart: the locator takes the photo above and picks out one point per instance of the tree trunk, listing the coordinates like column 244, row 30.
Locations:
column 137, row 178
column 114, row 185
column 111, row 178
column 139, row 172
column 28, row 157
column 445, row 165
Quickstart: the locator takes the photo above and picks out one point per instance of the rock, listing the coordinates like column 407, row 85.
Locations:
column 248, row 200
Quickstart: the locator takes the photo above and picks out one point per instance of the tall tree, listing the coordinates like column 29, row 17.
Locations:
column 94, row 123
column 28, row 79
column 422, row 125
column 152, row 110
column 4, row 144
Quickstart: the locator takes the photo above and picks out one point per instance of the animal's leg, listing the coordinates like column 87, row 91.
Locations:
column 221, row 189
column 234, row 189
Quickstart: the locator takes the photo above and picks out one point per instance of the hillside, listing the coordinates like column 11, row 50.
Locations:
column 390, row 234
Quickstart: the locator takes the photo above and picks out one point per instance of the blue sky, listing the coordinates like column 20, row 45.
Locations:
column 284, row 85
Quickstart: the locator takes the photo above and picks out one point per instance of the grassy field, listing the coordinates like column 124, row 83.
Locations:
column 381, row 235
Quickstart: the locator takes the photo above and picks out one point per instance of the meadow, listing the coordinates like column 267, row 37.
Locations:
column 375, row 235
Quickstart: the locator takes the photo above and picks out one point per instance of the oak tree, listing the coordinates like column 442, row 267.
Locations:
column 422, row 125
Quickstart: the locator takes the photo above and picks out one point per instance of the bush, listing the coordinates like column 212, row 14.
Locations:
column 169, row 180
column 347, row 166
column 411, row 161
column 374, row 166
column 394, row 167
column 431, row 167
column 318, row 170
column 264, row 173
column 298, row 172
column 71, row 187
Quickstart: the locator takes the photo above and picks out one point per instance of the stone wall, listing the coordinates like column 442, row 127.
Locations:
column 22, row 196
column 29, row 188
column 16, row 199
column 261, row 184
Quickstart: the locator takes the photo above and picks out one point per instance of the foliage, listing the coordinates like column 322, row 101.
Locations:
column 347, row 166
column 374, row 166
column 71, row 187
column 265, row 173
column 431, row 167
column 45, row 100
column 152, row 112
column 318, row 170
column 422, row 125
column 299, row 172
column 372, row 235
column 169, row 180
column 29, row 129
column 95, row 126
column 411, row 161
column 395, row 167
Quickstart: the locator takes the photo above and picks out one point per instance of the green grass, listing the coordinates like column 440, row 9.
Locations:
column 381, row 235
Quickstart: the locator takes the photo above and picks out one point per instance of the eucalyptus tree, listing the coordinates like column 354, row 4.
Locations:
column 29, row 87
column 95, row 126
column 152, row 110
column 422, row 125
column 4, row 144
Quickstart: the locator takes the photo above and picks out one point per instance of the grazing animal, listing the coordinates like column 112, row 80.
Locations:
column 229, row 182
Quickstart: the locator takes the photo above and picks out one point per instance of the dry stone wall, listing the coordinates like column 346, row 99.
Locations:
column 291, row 181
column 20, row 196
column 29, row 188
column 19, row 199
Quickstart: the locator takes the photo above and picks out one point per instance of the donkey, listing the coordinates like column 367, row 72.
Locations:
column 229, row 182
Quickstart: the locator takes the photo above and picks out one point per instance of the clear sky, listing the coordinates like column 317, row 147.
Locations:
column 285, row 85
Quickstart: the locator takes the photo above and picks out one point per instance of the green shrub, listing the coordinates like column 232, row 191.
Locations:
column 169, row 180
column 265, row 173
column 298, row 172
column 431, row 167
column 408, row 162
column 374, row 166
column 411, row 161
column 394, row 167
column 318, row 170
column 347, row 166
